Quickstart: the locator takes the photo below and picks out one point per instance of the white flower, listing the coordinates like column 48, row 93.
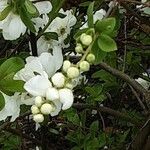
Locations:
column 58, row 79
column 62, row 26
column 66, row 98
column 12, row 105
column 57, row 109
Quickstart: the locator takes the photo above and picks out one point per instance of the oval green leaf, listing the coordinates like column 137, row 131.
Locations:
column 106, row 43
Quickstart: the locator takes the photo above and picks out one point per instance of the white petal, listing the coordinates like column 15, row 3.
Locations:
column 26, row 99
column 58, row 57
column 43, row 7
column 12, row 108
column 15, row 27
column 48, row 63
column 42, row 45
column 37, row 86
column 66, row 97
column 58, row 106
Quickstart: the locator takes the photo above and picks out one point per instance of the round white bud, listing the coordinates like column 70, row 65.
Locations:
column 79, row 48
column 52, row 94
column 84, row 66
column 66, row 65
column 58, row 79
column 34, row 109
column 86, row 39
column 38, row 101
column 46, row 109
column 90, row 58
column 73, row 72
column 38, row 118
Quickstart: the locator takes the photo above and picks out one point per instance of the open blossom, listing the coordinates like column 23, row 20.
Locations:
column 12, row 105
column 61, row 26
column 12, row 26
column 39, row 73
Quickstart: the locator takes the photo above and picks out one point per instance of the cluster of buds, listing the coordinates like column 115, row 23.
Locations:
column 41, row 108
column 83, row 44
column 62, row 83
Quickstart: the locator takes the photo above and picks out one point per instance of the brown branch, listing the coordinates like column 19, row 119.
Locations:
column 123, row 76
column 110, row 111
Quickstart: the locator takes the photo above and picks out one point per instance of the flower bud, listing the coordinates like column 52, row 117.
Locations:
column 90, row 58
column 46, row 109
column 86, row 39
column 84, row 66
column 58, row 79
column 38, row 118
column 38, row 101
column 73, row 72
column 52, row 94
column 35, row 110
column 79, row 48
column 66, row 65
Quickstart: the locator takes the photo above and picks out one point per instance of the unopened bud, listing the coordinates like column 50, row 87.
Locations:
column 90, row 58
column 73, row 72
column 66, row 65
column 38, row 101
column 69, row 86
column 84, row 66
column 79, row 48
column 52, row 94
column 38, row 118
column 46, row 109
column 58, row 79
column 86, row 39
column 35, row 110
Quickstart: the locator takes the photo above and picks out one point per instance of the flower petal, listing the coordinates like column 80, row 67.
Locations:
column 66, row 98
column 37, row 85
column 58, row 106
column 43, row 7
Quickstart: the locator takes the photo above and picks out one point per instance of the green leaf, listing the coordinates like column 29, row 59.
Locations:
column 94, row 127
column 5, row 13
column 90, row 15
column 85, row 4
column 10, row 85
column 106, row 43
column 2, row 101
column 26, row 18
column 51, row 35
column 11, row 65
column 99, row 54
column 106, row 25
column 31, row 9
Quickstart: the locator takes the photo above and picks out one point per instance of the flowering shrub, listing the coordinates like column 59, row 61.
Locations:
column 75, row 73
